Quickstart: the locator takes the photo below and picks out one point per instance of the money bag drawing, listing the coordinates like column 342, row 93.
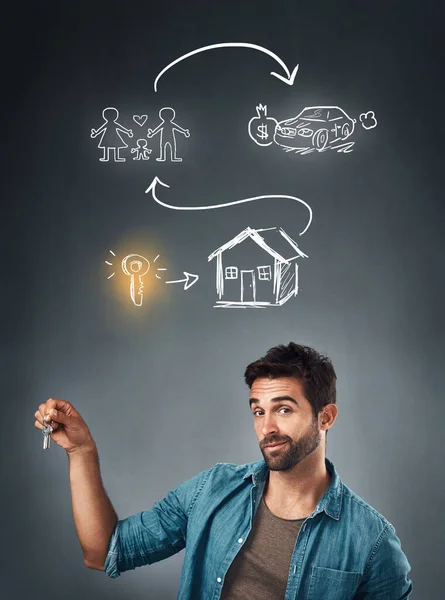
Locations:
column 262, row 128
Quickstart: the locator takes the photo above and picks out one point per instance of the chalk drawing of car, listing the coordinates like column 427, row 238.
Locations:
column 316, row 126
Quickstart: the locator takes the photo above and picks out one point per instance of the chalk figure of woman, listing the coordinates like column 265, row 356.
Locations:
column 167, row 128
column 111, row 138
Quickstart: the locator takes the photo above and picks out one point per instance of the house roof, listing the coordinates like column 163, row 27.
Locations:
column 273, row 240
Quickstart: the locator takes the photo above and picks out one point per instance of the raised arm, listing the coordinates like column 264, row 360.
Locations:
column 152, row 132
column 94, row 515
column 108, row 544
column 95, row 132
column 124, row 129
column 155, row 534
column 180, row 129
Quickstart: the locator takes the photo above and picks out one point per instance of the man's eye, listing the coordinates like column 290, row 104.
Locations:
column 255, row 412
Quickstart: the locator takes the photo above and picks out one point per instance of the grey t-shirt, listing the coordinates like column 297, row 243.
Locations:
column 261, row 568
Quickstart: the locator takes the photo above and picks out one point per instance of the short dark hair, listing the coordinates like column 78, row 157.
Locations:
column 313, row 370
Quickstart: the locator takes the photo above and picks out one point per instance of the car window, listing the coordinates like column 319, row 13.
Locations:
column 315, row 114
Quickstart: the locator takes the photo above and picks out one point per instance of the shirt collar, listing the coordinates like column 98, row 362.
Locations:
column 330, row 502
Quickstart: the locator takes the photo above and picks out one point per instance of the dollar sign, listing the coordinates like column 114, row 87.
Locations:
column 262, row 132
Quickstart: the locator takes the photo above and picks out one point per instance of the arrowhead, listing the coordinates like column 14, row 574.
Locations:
column 190, row 280
column 289, row 78
column 152, row 187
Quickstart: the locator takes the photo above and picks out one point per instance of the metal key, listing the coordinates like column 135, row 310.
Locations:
column 47, row 429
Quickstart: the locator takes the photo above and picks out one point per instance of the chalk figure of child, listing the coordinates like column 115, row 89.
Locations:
column 141, row 150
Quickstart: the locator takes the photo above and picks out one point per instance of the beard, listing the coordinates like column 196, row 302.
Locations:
column 284, row 458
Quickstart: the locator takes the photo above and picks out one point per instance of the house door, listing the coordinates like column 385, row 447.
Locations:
column 248, row 292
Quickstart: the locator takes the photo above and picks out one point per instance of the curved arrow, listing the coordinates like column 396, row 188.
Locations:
column 189, row 280
column 289, row 78
column 152, row 188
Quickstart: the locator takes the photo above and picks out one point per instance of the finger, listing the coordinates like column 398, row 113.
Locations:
column 58, row 410
column 39, row 425
column 55, row 416
column 39, row 413
column 43, row 411
column 39, row 419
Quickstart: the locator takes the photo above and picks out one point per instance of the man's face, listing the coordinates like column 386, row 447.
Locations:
column 282, row 414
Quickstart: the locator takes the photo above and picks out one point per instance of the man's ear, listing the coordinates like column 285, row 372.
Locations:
column 329, row 414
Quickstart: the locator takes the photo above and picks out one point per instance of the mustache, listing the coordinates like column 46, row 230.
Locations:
column 267, row 442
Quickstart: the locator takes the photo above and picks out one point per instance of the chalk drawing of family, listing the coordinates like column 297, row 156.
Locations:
column 111, row 136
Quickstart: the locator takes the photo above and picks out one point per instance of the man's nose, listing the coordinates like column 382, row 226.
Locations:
column 269, row 425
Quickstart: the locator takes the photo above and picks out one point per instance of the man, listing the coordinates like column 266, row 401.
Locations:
column 283, row 528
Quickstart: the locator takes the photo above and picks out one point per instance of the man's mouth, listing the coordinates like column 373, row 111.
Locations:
column 275, row 444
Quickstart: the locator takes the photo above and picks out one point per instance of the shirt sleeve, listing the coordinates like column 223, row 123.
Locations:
column 386, row 573
column 152, row 535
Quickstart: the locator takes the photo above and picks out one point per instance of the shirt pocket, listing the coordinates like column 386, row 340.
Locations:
column 336, row 585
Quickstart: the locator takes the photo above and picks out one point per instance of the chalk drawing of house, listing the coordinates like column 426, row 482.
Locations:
column 256, row 269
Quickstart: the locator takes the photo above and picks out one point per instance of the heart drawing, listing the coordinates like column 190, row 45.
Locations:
column 140, row 119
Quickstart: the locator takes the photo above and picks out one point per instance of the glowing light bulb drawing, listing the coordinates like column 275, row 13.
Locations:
column 136, row 266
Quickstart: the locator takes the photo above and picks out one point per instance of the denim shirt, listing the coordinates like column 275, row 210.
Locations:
column 344, row 550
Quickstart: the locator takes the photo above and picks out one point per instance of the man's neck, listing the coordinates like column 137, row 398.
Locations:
column 302, row 486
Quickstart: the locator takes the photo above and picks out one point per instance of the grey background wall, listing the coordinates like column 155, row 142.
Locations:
column 161, row 385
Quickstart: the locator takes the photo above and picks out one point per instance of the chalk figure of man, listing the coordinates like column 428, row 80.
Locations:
column 167, row 128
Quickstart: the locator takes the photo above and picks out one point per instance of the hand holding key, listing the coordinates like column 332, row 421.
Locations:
column 69, row 430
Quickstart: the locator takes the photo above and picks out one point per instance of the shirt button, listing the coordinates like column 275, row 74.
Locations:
column 219, row 580
column 240, row 541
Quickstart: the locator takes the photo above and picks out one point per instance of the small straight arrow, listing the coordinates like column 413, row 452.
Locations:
column 189, row 280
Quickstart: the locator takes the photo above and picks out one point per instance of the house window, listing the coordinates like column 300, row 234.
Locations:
column 231, row 272
column 265, row 273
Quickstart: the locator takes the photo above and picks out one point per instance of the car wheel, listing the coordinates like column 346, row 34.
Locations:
column 320, row 139
column 346, row 130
